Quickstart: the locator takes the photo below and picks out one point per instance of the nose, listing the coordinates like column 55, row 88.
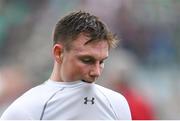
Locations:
column 95, row 71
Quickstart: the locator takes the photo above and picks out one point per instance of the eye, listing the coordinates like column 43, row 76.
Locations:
column 102, row 64
column 87, row 60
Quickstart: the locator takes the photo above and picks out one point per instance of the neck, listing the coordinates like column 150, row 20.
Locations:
column 55, row 75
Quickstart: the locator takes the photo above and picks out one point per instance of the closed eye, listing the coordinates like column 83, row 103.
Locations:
column 91, row 60
column 88, row 60
column 102, row 61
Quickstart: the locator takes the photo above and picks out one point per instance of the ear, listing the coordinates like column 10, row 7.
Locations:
column 58, row 52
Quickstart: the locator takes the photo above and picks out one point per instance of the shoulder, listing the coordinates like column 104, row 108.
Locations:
column 29, row 105
column 110, row 93
column 117, row 101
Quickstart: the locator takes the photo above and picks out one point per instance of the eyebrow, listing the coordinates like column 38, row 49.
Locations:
column 105, row 58
column 88, row 56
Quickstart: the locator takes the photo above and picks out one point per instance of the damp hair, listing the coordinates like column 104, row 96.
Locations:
column 72, row 25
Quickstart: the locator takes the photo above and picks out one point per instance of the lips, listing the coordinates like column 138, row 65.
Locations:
column 88, row 81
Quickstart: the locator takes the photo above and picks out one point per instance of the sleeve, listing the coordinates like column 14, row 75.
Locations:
column 119, row 104
column 121, row 107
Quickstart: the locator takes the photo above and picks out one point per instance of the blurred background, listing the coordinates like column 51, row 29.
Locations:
column 145, row 67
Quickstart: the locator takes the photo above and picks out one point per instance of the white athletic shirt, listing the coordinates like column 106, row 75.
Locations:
column 68, row 101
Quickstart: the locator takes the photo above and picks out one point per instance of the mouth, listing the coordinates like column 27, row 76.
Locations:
column 87, row 81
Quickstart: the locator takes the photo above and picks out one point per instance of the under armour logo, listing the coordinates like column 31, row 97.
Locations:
column 86, row 100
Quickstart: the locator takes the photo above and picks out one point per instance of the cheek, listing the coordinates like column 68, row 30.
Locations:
column 75, row 70
column 79, row 68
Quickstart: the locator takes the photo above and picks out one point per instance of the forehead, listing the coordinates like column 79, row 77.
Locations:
column 97, row 49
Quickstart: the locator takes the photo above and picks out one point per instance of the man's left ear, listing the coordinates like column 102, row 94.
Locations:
column 58, row 52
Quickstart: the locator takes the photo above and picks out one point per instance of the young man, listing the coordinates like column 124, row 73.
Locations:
column 81, row 44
